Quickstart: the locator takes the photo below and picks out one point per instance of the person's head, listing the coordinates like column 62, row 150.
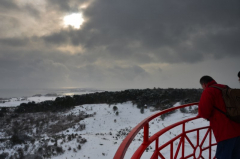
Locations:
column 239, row 76
column 205, row 80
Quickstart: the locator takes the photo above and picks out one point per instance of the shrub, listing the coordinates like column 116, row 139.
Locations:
column 59, row 150
column 74, row 150
column 16, row 140
column 26, row 147
column 194, row 111
column 183, row 110
column 1, row 114
column 20, row 152
column 4, row 155
column 69, row 137
column 115, row 108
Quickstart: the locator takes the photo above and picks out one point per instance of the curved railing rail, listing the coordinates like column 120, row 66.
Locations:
column 155, row 138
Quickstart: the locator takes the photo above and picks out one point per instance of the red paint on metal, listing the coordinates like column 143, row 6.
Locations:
column 146, row 133
column 155, row 138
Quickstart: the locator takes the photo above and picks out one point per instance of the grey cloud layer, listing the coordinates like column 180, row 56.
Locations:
column 172, row 31
column 117, row 39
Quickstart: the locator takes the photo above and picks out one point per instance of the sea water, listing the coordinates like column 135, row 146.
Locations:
column 27, row 92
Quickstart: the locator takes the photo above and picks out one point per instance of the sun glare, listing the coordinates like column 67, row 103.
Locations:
column 75, row 20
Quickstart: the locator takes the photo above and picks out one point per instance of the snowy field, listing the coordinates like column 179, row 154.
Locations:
column 105, row 130
column 13, row 102
column 105, row 146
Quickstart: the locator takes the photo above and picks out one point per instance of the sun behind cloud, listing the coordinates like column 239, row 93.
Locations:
column 75, row 20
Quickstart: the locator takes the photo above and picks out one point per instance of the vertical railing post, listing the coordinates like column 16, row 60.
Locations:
column 171, row 151
column 210, row 143
column 145, row 133
column 183, row 140
column 156, row 148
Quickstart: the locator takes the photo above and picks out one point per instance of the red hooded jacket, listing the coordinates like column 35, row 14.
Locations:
column 223, row 128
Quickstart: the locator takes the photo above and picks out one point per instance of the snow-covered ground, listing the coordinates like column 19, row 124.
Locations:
column 13, row 102
column 105, row 130
column 105, row 146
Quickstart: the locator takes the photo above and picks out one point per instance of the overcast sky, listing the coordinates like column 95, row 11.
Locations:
column 118, row 44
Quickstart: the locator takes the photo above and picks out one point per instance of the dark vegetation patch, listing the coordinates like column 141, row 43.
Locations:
column 27, row 132
column 157, row 97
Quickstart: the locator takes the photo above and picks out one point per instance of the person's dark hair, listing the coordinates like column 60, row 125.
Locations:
column 239, row 74
column 206, row 79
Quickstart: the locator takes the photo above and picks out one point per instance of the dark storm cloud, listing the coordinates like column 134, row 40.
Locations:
column 31, row 68
column 12, row 6
column 57, row 38
column 220, row 43
column 31, row 10
column 173, row 31
column 8, row 4
column 98, row 74
column 129, row 73
column 66, row 6
column 14, row 42
column 120, row 41
column 60, row 4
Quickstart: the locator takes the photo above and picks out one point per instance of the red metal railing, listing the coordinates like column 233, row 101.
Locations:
column 198, row 147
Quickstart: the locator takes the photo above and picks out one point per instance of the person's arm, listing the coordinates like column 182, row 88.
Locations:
column 205, row 106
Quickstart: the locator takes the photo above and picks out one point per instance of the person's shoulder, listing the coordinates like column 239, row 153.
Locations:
column 221, row 85
column 210, row 88
column 208, row 91
column 213, row 90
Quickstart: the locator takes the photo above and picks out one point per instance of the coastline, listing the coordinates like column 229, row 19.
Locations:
column 14, row 97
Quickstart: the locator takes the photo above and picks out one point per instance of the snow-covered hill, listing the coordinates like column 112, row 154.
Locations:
column 104, row 131
column 98, row 129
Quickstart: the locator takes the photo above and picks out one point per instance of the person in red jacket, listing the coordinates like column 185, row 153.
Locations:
column 226, row 131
